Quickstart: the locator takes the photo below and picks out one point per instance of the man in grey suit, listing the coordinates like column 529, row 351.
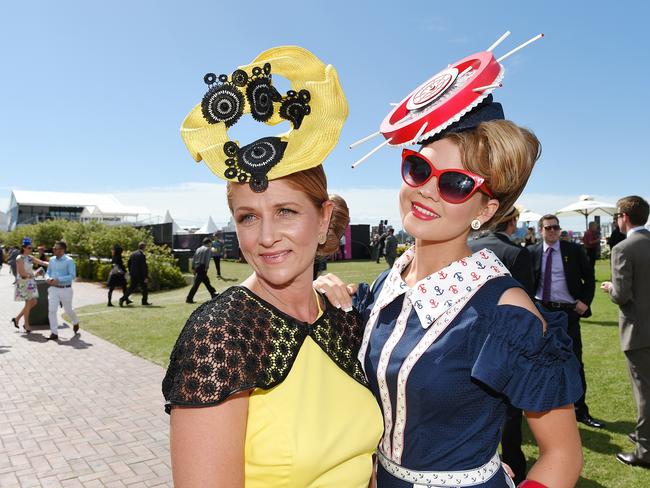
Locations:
column 630, row 290
column 391, row 247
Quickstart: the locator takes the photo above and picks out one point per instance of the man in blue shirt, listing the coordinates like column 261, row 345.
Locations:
column 61, row 272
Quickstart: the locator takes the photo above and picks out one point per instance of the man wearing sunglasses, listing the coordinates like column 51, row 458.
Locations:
column 630, row 289
column 564, row 281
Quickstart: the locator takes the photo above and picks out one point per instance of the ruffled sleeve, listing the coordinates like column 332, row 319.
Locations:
column 537, row 371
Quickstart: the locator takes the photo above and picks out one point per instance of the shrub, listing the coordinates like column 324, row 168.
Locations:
column 86, row 269
column 101, row 271
column 401, row 248
column 91, row 241
column 163, row 271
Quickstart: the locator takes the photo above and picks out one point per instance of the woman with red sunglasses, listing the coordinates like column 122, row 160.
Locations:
column 451, row 339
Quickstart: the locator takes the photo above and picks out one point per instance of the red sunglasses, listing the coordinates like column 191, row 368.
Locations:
column 454, row 185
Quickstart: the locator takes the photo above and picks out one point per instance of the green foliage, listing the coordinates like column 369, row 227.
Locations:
column 101, row 271
column 43, row 233
column 126, row 236
column 86, row 268
column 163, row 270
column 90, row 242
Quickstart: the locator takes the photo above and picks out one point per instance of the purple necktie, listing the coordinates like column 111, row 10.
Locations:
column 548, row 270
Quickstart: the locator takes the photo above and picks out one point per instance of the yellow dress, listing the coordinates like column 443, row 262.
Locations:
column 316, row 425
column 318, row 428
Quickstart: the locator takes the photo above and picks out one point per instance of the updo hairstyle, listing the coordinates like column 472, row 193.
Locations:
column 502, row 153
column 313, row 183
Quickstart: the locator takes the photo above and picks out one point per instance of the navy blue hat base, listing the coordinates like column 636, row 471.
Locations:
column 487, row 110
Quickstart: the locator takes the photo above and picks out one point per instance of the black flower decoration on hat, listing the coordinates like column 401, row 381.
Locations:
column 239, row 77
column 251, row 163
column 295, row 107
column 261, row 95
column 210, row 78
column 230, row 148
column 259, row 182
column 261, row 155
column 223, row 103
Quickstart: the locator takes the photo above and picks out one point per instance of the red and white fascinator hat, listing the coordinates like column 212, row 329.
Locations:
column 454, row 99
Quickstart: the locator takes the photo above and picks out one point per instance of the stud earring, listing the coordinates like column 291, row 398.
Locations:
column 322, row 238
column 476, row 224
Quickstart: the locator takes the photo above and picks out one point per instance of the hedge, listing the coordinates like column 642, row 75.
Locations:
column 90, row 244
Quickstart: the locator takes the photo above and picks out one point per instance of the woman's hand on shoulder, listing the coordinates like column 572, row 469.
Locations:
column 519, row 298
column 207, row 444
column 337, row 292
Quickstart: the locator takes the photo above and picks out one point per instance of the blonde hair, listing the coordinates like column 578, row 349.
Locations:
column 313, row 183
column 502, row 153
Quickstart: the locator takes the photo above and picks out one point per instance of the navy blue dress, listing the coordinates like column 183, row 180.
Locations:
column 458, row 390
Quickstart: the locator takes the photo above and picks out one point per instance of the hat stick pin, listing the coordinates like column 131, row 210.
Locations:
column 420, row 132
column 365, row 139
column 487, row 87
column 371, row 152
column 509, row 53
column 498, row 41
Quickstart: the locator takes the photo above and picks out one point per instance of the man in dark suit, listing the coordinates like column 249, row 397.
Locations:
column 518, row 261
column 630, row 290
column 564, row 281
column 139, row 272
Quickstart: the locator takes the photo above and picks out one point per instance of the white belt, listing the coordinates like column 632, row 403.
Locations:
column 469, row 477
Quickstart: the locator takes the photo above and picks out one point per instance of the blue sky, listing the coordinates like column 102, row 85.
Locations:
column 92, row 94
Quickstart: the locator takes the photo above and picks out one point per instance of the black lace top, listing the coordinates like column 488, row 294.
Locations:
column 238, row 342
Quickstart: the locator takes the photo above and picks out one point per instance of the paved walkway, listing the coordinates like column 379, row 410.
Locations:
column 78, row 413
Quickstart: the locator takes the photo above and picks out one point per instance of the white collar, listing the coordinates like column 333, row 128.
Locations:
column 435, row 294
column 634, row 229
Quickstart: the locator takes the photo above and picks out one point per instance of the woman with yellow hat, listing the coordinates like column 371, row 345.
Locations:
column 264, row 387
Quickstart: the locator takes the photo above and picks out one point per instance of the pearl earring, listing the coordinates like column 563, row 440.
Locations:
column 476, row 224
column 322, row 238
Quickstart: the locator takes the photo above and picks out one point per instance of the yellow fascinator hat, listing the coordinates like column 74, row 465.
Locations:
column 315, row 107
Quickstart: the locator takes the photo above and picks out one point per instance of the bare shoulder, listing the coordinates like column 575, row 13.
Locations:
column 519, row 298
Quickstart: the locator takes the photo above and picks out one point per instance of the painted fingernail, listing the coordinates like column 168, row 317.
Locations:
column 347, row 309
column 320, row 290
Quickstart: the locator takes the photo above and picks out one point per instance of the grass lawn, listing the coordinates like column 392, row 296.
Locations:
column 151, row 333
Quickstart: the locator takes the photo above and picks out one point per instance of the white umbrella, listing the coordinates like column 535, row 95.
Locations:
column 529, row 216
column 588, row 206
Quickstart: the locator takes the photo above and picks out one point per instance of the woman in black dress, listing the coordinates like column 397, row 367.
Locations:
column 117, row 275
